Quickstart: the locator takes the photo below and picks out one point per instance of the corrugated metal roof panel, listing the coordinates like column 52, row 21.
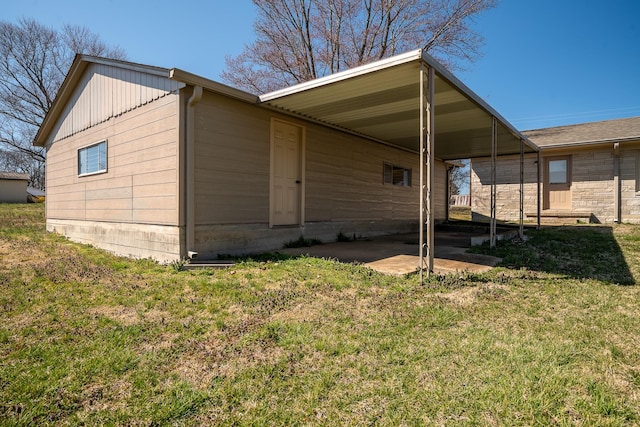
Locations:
column 382, row 101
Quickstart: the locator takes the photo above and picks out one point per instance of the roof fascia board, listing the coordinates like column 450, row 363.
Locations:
column 457, row 83
column 589, row 143
column 14, row 176
column 148, row 69
column 78, row 66
column 211, row 85
column 344, row 75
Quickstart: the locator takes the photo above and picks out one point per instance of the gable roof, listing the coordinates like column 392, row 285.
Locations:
column 15, row 176
column 601, row 132
column 73, row 78
column 82, row 62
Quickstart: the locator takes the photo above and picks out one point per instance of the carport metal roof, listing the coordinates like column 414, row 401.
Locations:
column 411, row 102
column 381, row 101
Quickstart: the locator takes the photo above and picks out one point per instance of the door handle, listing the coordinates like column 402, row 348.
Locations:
column 298, row 181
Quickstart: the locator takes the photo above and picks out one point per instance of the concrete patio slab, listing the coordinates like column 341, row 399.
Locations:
column 398, row 254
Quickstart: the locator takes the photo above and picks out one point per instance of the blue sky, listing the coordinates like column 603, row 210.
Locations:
column 546, row 62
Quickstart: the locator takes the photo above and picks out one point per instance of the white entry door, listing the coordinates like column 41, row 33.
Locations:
column 286, row 174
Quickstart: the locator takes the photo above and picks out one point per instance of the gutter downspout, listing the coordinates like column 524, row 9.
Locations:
column 190, row 171
column 447, row 189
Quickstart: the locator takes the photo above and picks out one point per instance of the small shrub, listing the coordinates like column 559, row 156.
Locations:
column 178, row 265
column 301, row 242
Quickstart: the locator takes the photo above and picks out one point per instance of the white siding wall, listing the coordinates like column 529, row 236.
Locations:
column 133, row 208
column 343, row 182
column 141, row 182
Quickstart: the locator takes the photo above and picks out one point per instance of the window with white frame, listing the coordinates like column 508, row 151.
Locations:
column 397, row 175
column 92, row 159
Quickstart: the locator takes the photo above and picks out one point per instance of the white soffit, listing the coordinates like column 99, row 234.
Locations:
column 381, row 100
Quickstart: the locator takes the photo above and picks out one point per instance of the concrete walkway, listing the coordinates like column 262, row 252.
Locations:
column 398, row 253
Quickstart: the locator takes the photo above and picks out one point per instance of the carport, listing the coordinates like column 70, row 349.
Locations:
column 411, row 102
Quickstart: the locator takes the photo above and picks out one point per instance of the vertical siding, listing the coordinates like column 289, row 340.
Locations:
column 141, row 182
column 104, row 92
column 344, row 173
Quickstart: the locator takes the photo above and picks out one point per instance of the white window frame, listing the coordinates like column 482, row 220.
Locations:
column 87, row 149
column 390, row 171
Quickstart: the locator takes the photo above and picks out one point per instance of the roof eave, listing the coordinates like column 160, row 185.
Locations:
column 589, row 143
column 77, row 68
column 211, row 85
column 447, row 75
column 343, row 75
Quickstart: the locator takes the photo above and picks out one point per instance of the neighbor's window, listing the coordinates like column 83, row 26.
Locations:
column 92, row 159
column 558, row 171
column 397, row 175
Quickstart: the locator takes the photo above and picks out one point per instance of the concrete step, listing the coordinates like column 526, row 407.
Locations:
column 562, row 217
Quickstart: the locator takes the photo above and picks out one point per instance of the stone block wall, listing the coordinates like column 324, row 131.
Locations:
column 507, row 187
column 592, row 188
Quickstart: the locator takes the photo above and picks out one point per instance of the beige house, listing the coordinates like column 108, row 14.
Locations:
column 589, row 172
column 153, row 162
column 13, row 187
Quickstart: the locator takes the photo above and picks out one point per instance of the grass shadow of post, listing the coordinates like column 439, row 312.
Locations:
column 582, row 252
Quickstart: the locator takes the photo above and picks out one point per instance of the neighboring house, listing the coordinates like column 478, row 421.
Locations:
column 589, row 172
column 161, row 163
column 13, row 187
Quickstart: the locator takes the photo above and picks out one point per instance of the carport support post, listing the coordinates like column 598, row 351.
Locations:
column 539, row 163
column 616, row 184
column 494, row 146
column 426, row 170
column 521, row 228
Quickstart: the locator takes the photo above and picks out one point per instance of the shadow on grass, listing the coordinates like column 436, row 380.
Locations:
column 581, row 252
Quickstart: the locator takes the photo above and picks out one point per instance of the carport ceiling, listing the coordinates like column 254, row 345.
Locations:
column 382, row 101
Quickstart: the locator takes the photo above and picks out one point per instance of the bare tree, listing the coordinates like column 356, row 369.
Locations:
column 299, row 40
column 33, row 62
column 459, row 178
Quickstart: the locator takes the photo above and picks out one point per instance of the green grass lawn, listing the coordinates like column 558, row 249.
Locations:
column 550, row 338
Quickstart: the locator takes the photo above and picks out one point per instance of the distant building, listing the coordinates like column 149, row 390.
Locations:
column 589, row 172
column 13, row 187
